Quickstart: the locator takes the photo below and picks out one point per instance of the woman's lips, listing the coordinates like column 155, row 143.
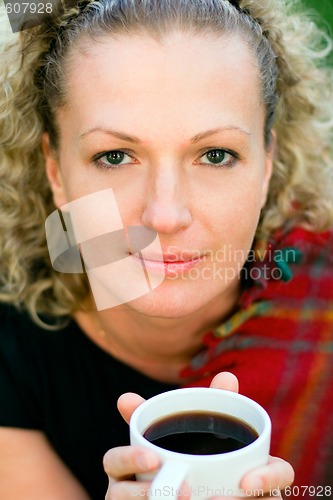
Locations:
column 168, row 267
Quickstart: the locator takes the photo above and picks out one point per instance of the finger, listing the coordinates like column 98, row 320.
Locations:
column 277, row 474
column 127, row 403
column 225, row 380
column 125, row 461
column 127, row 489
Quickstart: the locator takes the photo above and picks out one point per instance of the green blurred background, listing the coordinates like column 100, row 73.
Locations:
column 322, row 14
column 325, row 10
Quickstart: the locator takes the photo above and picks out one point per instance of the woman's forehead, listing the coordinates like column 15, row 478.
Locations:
column 178, row 48
column 185, row 78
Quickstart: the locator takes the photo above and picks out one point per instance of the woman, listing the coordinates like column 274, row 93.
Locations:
column 205, row 123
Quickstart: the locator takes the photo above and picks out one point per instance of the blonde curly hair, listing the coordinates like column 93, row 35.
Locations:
column 297, row 89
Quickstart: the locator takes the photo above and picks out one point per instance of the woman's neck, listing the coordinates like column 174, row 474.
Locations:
column 157, row 347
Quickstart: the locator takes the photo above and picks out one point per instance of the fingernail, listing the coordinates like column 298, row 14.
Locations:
column 147, row 461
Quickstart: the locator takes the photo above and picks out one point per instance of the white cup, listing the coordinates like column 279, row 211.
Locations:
column 206, row 475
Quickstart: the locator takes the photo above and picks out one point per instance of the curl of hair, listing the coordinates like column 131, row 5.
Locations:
column 297, row 91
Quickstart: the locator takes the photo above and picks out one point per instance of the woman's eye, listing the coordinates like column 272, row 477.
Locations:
column 118, row 158
column 219, row 158
column 112, row 159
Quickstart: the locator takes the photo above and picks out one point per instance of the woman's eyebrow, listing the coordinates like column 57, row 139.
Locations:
column 115, row 133
column 203, row 135
column 134, row 139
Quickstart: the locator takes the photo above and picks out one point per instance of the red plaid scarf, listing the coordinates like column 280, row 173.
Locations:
column 280, row 346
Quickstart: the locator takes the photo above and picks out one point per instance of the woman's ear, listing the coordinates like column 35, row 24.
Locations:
column 268, row 167
column 53, row 172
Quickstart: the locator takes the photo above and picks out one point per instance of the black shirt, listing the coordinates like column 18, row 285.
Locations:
column 63, row 384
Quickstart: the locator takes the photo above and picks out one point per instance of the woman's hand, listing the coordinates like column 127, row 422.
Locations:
column 271, row 478
column 122, row 463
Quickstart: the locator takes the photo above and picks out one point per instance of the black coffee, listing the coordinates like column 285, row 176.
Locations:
column 200, row 433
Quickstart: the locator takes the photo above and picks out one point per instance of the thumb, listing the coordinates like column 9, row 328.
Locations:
column 226, row 381
column 127, row 403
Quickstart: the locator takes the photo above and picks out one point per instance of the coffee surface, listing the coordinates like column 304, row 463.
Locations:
column 200, row 433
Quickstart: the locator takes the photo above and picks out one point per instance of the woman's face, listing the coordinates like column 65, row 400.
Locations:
column 185, row 123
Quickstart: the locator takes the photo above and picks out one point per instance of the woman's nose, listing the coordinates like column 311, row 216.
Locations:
column 166, row 208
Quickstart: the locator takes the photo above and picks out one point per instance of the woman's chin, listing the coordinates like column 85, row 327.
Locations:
column 171, row 302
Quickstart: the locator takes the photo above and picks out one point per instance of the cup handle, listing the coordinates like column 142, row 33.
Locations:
column 168, row 480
